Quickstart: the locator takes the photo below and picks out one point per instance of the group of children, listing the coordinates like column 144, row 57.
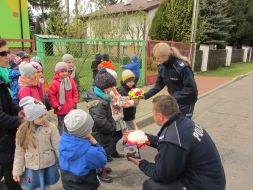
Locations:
column 27, row 79
column 88, row 140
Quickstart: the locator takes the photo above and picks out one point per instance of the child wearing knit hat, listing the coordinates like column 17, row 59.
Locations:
column 95, row 63
column 43, row 78
column 106, row 62
column 134, row 66
column 14, row 74
column 70, row 60
column 24, row 56
column 117, row 104
column 43, row 85
column 79, row 153
column 36, row 147
column 63, row 94
column 127, row 84
column 29, row 82
column 98, row 102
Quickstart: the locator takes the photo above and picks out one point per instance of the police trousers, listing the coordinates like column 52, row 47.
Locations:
column 152, row 185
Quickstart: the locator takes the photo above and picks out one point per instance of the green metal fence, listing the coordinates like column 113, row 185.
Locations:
column 84, row 50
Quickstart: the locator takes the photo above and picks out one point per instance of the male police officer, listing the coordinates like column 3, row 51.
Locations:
column 187, row 157
column 175, row 73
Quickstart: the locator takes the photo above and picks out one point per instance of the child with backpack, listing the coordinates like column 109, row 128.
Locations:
column 36, row 147
column 63, row 94
column 79, row 153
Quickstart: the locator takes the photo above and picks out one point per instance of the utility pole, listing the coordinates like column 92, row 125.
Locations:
column 21, row 24
column 195, row 20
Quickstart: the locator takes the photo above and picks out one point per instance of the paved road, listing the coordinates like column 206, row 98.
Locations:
column 227, row 115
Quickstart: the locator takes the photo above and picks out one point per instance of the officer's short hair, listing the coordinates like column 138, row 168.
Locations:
column 167, row 105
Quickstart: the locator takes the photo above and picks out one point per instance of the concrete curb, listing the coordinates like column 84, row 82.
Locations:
column 148, row 118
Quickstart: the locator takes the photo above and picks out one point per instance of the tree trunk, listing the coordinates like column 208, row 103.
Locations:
column 67, row 7
column 76, row 8
column 42, row 16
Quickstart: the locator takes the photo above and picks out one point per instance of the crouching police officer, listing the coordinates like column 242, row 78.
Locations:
column 175, row 73
column 187, row 157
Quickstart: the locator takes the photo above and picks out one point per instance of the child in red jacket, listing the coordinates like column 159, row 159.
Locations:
column 63, row 94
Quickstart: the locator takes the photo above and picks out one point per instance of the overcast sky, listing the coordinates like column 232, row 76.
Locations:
column 72, row 4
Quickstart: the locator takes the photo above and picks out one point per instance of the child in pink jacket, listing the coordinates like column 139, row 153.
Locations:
column 63, row 94
column 29, row 82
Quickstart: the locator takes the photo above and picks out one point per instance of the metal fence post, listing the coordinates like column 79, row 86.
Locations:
column 194, row 56
column 143, row 56
column 40, row 50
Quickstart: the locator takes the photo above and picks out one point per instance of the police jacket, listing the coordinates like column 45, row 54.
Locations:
column 186, row 153
column 179, row 79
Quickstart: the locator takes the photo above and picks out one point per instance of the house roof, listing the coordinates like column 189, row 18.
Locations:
column 135, row 5
column 47, row 36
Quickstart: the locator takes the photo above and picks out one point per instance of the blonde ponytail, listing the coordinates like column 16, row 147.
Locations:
column 25, row 137
column 161, row 49
column 176, row 53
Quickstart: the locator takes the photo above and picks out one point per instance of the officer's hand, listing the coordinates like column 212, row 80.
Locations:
column 142, row 97
column 134, row 161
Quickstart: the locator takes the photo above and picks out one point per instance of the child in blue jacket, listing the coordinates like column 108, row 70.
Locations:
column 14, row 74
column 134, row 67
column 79, row 153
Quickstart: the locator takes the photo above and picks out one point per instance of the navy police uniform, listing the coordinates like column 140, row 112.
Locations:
column 187, row 158
column 178, row 76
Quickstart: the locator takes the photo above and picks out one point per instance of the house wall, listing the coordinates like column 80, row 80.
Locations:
column 118, row 26
column 150, row 17
column 10, row 21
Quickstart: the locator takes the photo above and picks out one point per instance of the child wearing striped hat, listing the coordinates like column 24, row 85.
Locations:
column 127, row 84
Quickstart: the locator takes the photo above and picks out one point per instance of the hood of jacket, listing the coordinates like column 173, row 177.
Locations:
column 92, row 99
column 134, row 58
column 72, row 148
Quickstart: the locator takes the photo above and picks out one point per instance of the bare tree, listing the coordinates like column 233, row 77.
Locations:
column 68, row 13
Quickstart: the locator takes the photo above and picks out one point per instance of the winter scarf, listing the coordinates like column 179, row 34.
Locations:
column 24, row 81
column 102, row 95
column 65, row 85
column 72, row 72
column 4, row 75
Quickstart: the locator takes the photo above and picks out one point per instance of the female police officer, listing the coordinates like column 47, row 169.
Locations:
column 175, row 72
